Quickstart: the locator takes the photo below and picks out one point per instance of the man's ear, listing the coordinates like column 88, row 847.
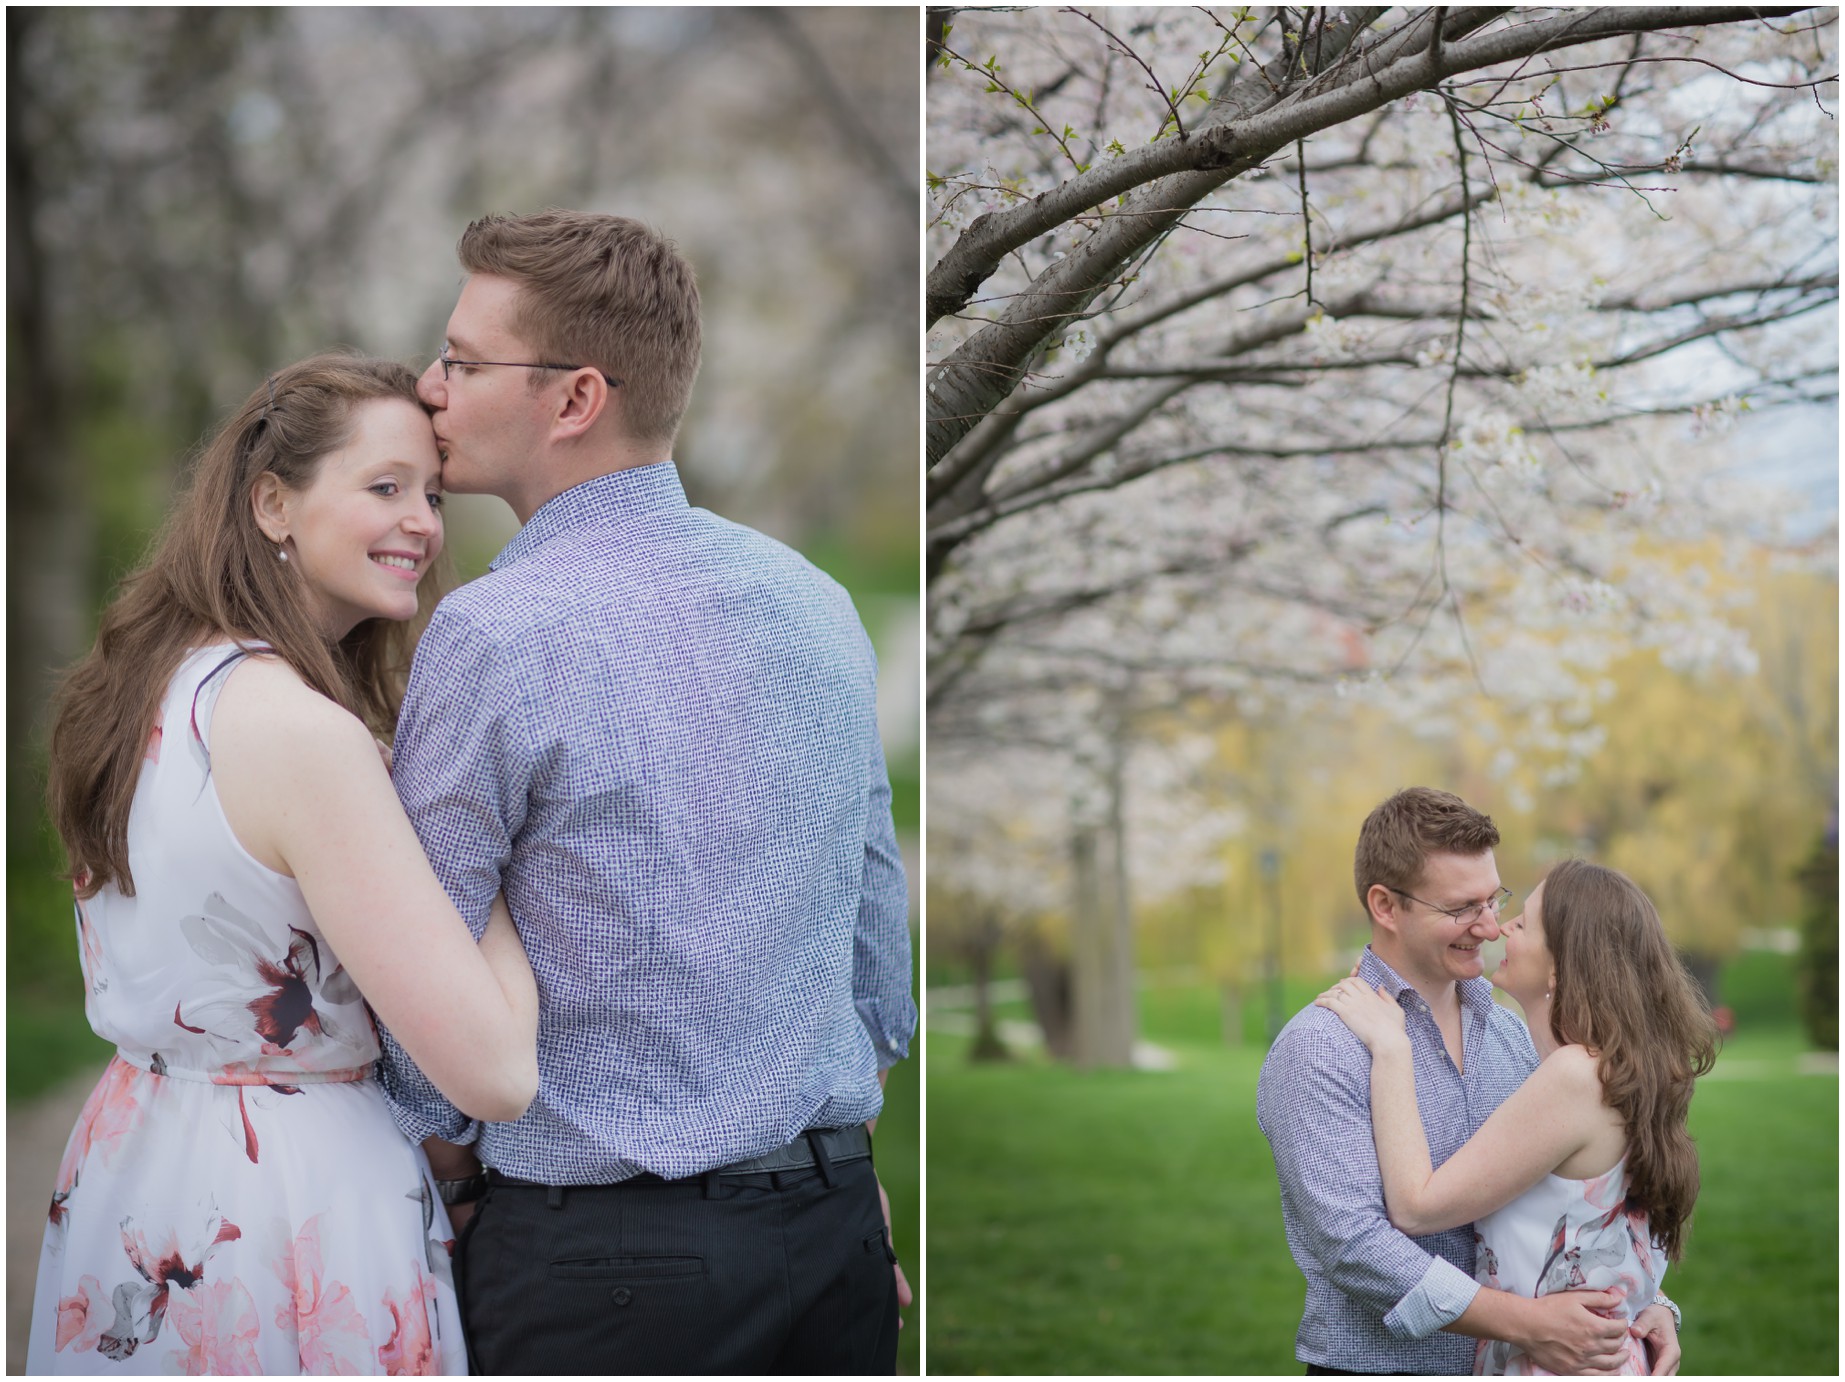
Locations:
column 586, row 398
column 1381, row 903
column 269, row 499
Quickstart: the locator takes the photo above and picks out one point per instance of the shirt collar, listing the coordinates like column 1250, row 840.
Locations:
column 1473, row 992
column 609, row 499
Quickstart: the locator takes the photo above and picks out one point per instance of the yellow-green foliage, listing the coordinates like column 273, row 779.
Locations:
column 1709, row 791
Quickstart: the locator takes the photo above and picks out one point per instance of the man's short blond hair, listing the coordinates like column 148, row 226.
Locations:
column 604, row 291
column 1398, row 837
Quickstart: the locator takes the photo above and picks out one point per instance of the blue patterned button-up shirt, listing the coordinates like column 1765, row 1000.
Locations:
column 1375, row 1298
column 656, row 732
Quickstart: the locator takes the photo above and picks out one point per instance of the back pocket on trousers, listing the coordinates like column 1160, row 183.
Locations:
column 628, row 1268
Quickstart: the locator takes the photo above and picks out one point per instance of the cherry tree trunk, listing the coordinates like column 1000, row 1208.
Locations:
column 1102, row 922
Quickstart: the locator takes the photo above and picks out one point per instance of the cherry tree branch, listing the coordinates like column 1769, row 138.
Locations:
column 1171, row 175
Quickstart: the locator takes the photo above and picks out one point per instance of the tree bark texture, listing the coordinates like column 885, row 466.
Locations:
column 1102, row 1039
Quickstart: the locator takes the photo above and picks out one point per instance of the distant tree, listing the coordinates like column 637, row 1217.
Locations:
column 1348, row 322
column 980, row 929
column 1280, row 355
column 1699, row 786
column 1818, row 973
column 198, row 194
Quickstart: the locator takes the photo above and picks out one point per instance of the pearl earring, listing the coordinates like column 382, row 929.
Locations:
column 281, row 553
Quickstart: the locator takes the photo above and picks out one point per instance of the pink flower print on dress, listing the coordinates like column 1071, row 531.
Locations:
column 217, row 1322
column 426, row 1199
column 330, row 1333
column 410, row 1351
column 165, row 1265
column 289, row 1006
column 1493, row 1358
column 90, row 954
column 242, row 1075
column 81, row 1317
column 1608, row 1190
column 275, row 988
column 1640, row 1234
column 1484, row 1260
column 110, row 1114
column 1599, row 1245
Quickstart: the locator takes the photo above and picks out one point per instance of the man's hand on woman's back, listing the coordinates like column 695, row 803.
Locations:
column 1572, row 1337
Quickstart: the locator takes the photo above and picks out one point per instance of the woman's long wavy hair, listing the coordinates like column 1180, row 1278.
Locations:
column 1623, row 993
column 215, row 575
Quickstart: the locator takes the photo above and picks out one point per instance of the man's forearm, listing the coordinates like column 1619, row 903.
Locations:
column 1567, row 1333
column 1494, row 1315
column 450, row 1162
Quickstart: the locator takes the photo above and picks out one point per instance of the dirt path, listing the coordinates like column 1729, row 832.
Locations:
column 35, row 1138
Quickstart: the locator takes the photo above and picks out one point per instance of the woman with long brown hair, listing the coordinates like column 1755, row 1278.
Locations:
column 236, row 1197
column 1585, row 1178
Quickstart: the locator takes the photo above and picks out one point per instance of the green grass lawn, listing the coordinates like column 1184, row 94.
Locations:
column 899, row 1158
column 1125, row 1222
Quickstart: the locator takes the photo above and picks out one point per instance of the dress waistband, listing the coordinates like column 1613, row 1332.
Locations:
column 239, row 1073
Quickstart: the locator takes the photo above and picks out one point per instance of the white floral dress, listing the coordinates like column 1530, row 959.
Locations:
column 235, row 1198
column 1567, row 1235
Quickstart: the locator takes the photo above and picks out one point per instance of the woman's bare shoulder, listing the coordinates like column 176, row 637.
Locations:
column 1573, row 1058
column 277, row 746
column 1573, row 1067
column 1575, row 1073
column 265, row 697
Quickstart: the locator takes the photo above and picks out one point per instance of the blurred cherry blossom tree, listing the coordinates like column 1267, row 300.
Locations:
column 198, row 194
column 1389, row 354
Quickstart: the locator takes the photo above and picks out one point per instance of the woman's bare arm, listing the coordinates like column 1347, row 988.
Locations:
column 304, row 789
column 1548, row 1118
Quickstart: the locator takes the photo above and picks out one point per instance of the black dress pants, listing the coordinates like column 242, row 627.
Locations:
column 762, row 1273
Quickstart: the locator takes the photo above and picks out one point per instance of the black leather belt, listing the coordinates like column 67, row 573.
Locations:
column 836, row 1145
column 839, row 1144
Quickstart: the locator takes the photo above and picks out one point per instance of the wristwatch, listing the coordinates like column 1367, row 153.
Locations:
column 470, row 1188
column 1678, row 1318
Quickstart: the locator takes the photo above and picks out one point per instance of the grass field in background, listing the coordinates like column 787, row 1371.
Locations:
column 899, row 1158
column 1129, row 1222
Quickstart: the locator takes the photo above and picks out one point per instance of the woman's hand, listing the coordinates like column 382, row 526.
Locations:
column 1373, row 1015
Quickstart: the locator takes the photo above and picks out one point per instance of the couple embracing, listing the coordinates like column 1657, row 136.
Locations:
column 1465, row 1192
column 552, row 1041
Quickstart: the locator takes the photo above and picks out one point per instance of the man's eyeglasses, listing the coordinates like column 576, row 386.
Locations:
column 516, row 364
column 1464, row 916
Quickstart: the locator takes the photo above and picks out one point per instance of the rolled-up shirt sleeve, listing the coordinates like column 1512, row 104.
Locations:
column 461, row 760
column 881, row 972
column 1313, row 1104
